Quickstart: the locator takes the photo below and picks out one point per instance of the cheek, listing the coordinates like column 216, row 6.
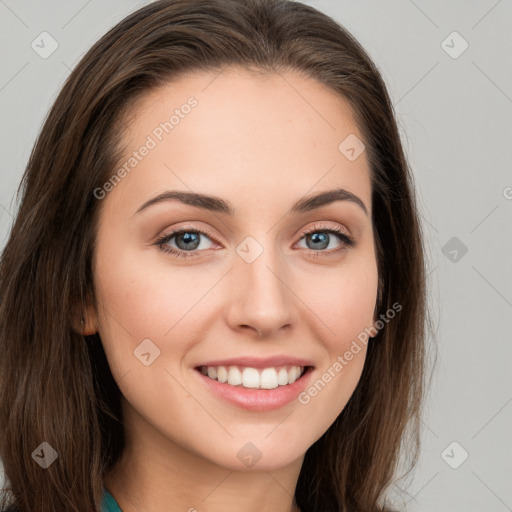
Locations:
column 141, row 299
column 146, row 298
column 341, row 306
column 342, row 301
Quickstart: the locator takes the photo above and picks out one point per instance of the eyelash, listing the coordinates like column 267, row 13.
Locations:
column 346, row 240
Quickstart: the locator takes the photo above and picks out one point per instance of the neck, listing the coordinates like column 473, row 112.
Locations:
column 154, row 473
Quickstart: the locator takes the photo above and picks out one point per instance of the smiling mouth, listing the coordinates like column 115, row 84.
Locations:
column 255, row 378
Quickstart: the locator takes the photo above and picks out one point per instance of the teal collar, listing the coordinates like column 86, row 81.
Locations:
column 108, row 503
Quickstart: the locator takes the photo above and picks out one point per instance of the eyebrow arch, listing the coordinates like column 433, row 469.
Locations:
column 218, row 205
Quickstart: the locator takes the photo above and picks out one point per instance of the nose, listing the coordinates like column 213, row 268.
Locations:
column 261, row 299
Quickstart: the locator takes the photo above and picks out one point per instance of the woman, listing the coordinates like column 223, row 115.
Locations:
column 213, row 294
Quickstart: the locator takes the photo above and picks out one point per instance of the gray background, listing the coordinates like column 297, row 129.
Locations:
column 455, row 115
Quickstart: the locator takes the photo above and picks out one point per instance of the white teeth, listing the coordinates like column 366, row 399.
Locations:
column 282, row 377
column 293, row 374
column 251, row 378
column 234, row 376
column 267, row 378
column 222, row 374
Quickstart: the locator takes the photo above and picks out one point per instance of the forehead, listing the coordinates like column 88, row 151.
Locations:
column 272, row 133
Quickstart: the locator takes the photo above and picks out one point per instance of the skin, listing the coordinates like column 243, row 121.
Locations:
column 260, row 142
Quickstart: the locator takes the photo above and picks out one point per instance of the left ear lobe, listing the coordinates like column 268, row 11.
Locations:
column 85, row 323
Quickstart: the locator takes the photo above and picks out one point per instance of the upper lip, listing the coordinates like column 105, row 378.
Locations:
column 259, row 362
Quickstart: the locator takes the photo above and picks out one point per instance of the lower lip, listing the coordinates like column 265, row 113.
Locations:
column 258, row 399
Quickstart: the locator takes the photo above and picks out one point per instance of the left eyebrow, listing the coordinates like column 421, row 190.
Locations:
column 309, row 203
column 218, row 205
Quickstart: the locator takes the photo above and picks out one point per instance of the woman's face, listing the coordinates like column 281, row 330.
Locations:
column 253, row 294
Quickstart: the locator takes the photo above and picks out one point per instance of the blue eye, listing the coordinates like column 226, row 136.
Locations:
column 190, row 240
column 320, row 237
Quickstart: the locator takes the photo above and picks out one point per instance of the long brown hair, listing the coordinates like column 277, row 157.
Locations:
column 56, row 386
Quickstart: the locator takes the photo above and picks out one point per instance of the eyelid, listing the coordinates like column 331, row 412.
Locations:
column 189, row 226
column 345, row 238
column 186, row 228
column 324, row 227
